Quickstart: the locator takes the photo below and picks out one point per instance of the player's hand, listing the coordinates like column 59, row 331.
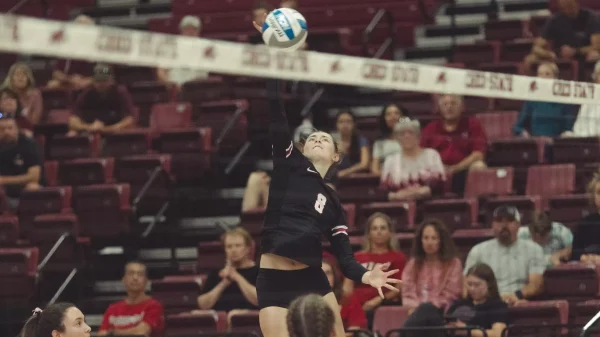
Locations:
column 378, row 278
column 257, row 26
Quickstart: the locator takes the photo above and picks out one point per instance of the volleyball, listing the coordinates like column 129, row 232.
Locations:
column 285, row 28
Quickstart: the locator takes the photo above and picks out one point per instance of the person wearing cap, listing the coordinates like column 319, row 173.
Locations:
column 519, row 265
column 587, row 123
column 414, row 172
column 555, row 238
column 20, row 161
column 104, row 107
column 189, row 26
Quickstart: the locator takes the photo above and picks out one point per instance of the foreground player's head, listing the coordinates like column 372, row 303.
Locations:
column 310, row 316
column 57, row 320
column 321, row 148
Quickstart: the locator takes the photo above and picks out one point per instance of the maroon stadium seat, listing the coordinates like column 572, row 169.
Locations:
column 465, row 239
column 405, row 240
column 190, row 151
column 539, row 313
column 51, row 172
column 569, row 209
column 388, row 318
column 498, row 124
column 211, row 255
column 86, row 171
column 416, row 103
column 127, row 142
column 456, row 213
column 56, row 99
column 490, row 182
column 177, row 293
column 206, row 90
column 584, row 311
column 17, row 275
column 517, row 151
column 244, row 321
column 470, row 54
column 512, row 68
column 70, row 147
column 402, row 213
column 576, row 150
column 102, row 210
column 165, row 116
column 47, row 228
column 572, row 281
column 550, row 180
column 504, row 30
column 360, row 187
column 126, row 74
column 515, row 51
column 136, row 171
column 43, row 201
column 187, row 324
column 9, row 230
column 218, row 116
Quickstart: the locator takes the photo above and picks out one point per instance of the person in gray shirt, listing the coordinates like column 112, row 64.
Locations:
column 518, row 264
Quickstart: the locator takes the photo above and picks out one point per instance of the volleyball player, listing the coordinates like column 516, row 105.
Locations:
column 301, row 208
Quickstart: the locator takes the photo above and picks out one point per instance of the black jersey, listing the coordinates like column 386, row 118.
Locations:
column 302, row 209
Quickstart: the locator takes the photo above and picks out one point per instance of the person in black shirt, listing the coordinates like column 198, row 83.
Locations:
column 20, row 161
column 586, row 242
column 232, row 287
column 574, row 32
column 482, row 307
column 302, row 209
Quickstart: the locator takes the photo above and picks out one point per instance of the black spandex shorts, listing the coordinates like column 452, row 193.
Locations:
column 278, row 288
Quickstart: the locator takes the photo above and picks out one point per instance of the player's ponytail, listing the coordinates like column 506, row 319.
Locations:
column 43, row 322
column 310, row 316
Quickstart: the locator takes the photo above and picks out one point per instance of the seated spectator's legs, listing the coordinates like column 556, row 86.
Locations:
column 478, row 165
column 459, row 179
column 257, row 191
column 32, row 187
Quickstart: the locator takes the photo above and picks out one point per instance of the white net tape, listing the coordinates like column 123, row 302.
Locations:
column 27, row 35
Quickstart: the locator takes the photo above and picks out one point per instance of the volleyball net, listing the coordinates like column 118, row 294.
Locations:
column 59, row 39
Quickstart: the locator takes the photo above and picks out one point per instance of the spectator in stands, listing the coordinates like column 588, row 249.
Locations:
column 10, row 105
column 21, row 81
column 353, row 315
column 460, row 140
column 58, row 319
column 104, row 107
column 545, row 119
column 20, row 161
column 189, row 26
column 310, row 316
column 481, row 306
column 293, row 4
column 386, row 144
column 259, row 11
column 587, row 123
column 234, row 286
column 518, row 264
column 555, row 238
column 434, row 273
column 73, row 74
column 572, row 33
column 138, row 313
column 353, row 146
column 586, row 247
column 379, row 247
column 414, row 172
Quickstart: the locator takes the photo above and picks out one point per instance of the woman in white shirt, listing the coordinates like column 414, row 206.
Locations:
column 588, row 119
column 414, row 172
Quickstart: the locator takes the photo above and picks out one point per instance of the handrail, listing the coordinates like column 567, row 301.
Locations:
column 590, row 324
column 306, row 110
column 63, row 286
column 17, row 6
column 52, row 251
column 158, row 215
column 229, row 126
column 237, row 157
column 380, row 15
column 142, row 193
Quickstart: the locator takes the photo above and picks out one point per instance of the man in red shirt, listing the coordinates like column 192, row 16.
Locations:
column 460, row 140
column 138, row 313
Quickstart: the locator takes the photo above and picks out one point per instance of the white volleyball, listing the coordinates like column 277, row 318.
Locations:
column 285, row 28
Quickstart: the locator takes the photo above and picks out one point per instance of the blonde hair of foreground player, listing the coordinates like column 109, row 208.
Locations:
column 273, row 318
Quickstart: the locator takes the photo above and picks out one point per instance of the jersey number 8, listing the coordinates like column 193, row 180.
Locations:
column 320, row 203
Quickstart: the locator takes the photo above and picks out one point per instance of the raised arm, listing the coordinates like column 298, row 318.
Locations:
column 279, row 130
